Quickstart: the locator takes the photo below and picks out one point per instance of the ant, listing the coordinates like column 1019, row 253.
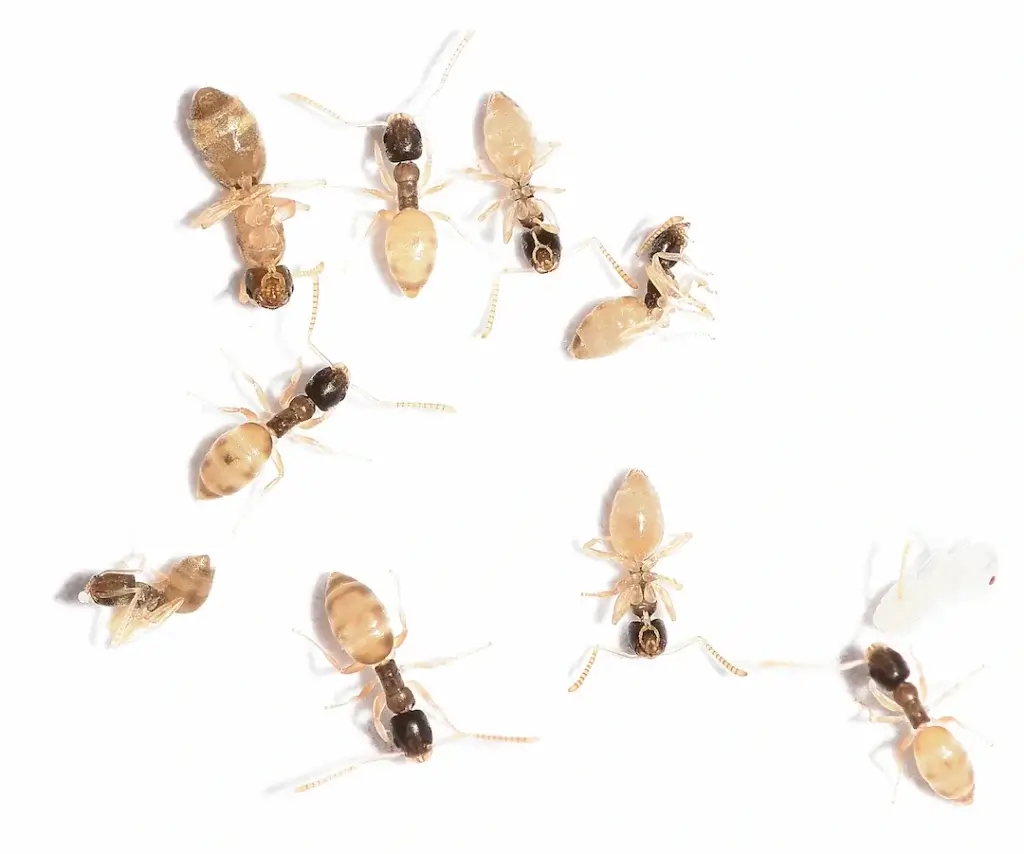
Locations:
column 361, row 625
column 512, row 150
column 137, row 603
column 636, row 529
column 227, row 137
column 410, row 243
column 614, row 323
column 236, row 457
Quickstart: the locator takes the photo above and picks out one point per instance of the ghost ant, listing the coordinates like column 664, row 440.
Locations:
column 360, row 623
column 140, row 604
column 410, row 243
column 614, row 323
column 227, row 137
column 636, row 529
column 512, row 150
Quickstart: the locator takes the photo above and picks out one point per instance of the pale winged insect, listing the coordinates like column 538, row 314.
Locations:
column 962, row 571
column 139, row 604
column 361, row 625
column 410, row 243
column 513, row 152
column 615, row 323
column 226, row 135
column 636, row 530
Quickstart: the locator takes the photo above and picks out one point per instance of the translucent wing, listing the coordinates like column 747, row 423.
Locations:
column 963, row 571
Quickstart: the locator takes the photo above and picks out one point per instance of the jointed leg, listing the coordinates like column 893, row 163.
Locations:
column 400, row 639
column 699, row 276
column 309, row 440
column 607, row 594
column 381, row 216
column 385, row 172
column 884, row 701
column 666, row 600
column 164, row 612
column 293, row 384
column 945, row 695
column 588, row 548
column 352, row 668
column 378, row 710
column 675, row 544
column 491, row 208
column 437, row 188
column 260, row 393
column 543, row 158
column 366, row 690
column 445, row 218
column 275, row 455
column 243, row 296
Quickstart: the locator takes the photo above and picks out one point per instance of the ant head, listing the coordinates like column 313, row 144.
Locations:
column 648, row 638
column 670, row 236
column 402, row 139
column 886, row 666
column 328, row 386
column 412, row 734
column 114, row 589
column 542, row 248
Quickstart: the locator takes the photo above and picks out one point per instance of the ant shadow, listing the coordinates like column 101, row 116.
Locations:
column 73, row 585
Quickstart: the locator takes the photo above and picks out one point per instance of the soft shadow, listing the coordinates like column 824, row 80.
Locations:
column 638, row 235
column 73, row 585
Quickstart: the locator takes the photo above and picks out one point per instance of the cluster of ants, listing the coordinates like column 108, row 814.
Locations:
column 228, row 138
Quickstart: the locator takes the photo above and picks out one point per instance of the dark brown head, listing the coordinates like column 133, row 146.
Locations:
column 402, row 139
column 670, row 236
column 542, row 248
column 269, row 287
column 328, row 386
column 648, row 639
column 412, row 734
column 886, row 666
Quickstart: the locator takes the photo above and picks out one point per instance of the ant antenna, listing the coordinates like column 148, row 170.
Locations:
column 444, row 77
column 403, row 404
column 305, row 787
column 316, row 105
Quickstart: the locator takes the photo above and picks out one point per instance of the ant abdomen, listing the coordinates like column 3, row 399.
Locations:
column 269, row 287
column 886, row 666
column 412, row 734
column 648, row 639
column 542, row 248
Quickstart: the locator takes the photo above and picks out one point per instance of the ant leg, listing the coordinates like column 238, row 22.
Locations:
column 551, row 149
column 445, row 218
column 366, row 690
column 712, row 652
column 606, row 594
column 378, row 710
column 437, row 188
column 951, row 719
column 699, row 276
column 516, row 739
column 544, row 189
column 441, row 662
column 275, row 455
column 492, row 308
column 261, row 395
column 127, row 619
column 670, row 607
column 590, row 663
column 285, row 208
column 385, row 173
column 372, row 191
column 588, row 548
column 309, row 440
column 490, row 209
column 243, row 296
column 884, row 701
column 674, row 545
column 352, row 668
column 668, row 582
column 483, row 175
column 293, row 383
column 165, row 612
column 384, row 215
column 510, row 222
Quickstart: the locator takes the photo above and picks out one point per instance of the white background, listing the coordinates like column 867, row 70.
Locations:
column 853, row 179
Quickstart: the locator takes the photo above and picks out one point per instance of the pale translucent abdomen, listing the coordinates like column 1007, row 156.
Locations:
column 411, row 249
column 944, row 764
column 508, row 137
column 234, row 460
column 636, row 526
column 358, row 620
column 609, row 327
